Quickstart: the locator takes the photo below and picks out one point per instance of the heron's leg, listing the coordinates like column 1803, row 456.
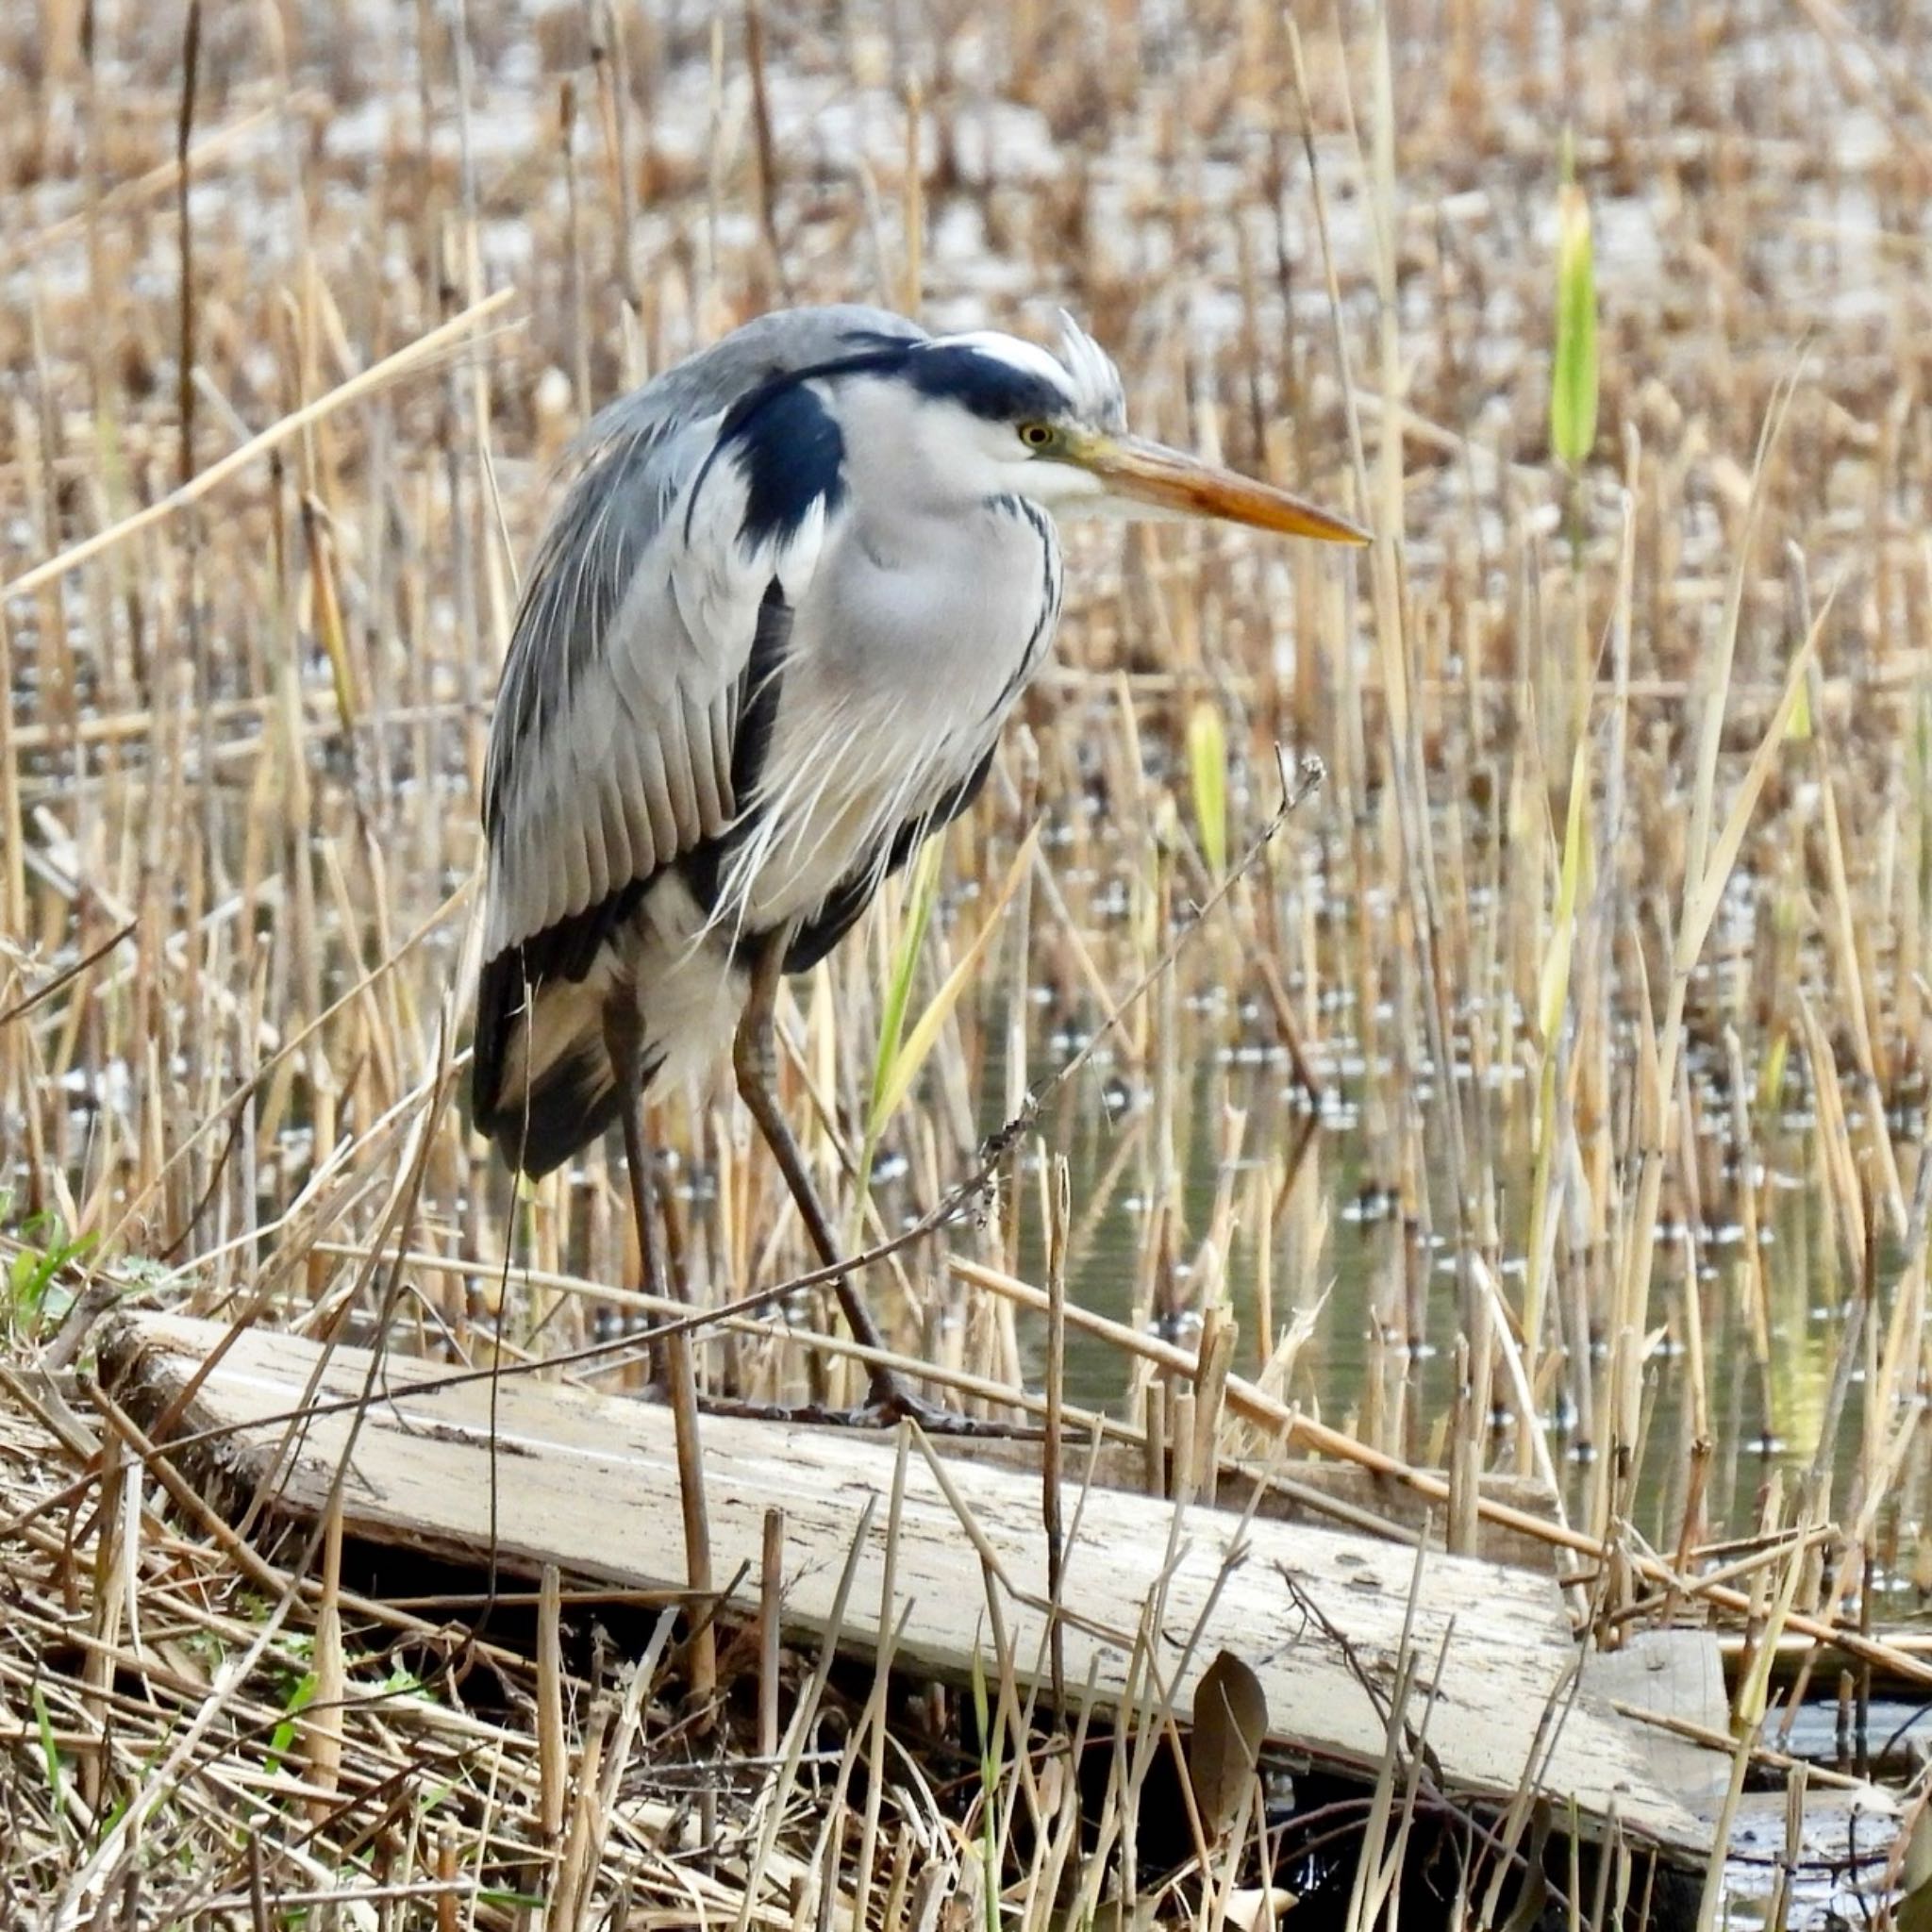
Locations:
column 755, row 1059
column 671, row 1362
column 626, row 1066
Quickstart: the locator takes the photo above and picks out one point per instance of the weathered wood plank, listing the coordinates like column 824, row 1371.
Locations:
column 589, row 1482
column 1678, row 1674
column 1301, row 1489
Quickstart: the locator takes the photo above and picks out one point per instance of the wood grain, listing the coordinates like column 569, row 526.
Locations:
column 589, row 1482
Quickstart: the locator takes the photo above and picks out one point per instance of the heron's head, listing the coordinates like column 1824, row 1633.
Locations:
column 1052, row 428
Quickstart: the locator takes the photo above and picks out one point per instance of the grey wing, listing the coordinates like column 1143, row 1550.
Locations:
column 611, row 745
column 612, row 723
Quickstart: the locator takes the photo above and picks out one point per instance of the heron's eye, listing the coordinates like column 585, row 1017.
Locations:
column 1036, row 435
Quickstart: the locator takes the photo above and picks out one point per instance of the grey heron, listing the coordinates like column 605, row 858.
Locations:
column 765, row 647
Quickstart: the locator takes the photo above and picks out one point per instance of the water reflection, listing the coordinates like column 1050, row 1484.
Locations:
column 1314, row 1222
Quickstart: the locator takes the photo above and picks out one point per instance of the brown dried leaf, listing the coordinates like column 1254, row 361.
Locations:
column 1914, row 1911
column 1231, row 1721
column 1257, row 1910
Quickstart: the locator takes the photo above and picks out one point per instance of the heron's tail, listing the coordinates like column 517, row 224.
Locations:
column 541, row 1084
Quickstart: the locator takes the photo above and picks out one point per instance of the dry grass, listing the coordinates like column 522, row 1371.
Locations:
column 1605, row 940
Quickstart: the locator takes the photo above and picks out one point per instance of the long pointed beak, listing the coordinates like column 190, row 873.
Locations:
column 1151, row 472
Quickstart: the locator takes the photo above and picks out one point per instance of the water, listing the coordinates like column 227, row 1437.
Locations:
column 1388, row 1314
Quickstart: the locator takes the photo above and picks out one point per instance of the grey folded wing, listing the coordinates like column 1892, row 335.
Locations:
column 610, row 752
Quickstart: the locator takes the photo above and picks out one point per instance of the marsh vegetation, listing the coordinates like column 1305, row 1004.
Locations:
column 1546, row 1095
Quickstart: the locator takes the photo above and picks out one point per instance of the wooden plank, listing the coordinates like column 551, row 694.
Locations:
column 1301, row 1489
column 589, row 1482
column 1678, row 1674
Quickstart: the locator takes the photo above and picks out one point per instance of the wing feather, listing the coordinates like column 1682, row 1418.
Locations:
column 679, row 775
column 711, row 779
column 598, row 868
column 723, row 737
column 656, row 793
column 610, row 750
column 625, row 792
column 616, row 830
column 576, row 884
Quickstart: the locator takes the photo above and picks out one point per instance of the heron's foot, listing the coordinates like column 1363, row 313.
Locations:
column 893, row 1402
column 888, row 1408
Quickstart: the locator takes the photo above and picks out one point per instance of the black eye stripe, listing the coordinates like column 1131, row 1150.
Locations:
column 983, row 384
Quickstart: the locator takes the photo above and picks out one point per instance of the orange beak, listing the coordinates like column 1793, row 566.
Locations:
column 1152, row 474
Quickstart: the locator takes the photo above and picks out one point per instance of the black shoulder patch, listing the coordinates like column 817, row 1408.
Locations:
column 703, row 866
column 758, row 706
column 791, row 453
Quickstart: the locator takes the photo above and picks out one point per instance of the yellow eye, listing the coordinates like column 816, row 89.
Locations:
column 1036, row 435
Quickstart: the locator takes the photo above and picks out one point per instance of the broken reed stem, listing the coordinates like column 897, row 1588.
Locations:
column 672, row 1350
column 552, row 1768
column 1213, row 1360
column 1057, row 1222
column 575, row 1872
column 766, row 148
column 872, row 1724
column 448, row 1919
column 697, row 1532
column 322, row 1722
column 771, row 1601
column 1153, row 1435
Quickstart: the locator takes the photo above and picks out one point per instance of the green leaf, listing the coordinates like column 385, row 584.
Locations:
column 32, row 1277
column 1208, row 767
column 989, row 1784
column 1799, row 731
column 1573, row 375
column 919, row 1042
column 1554, row 986
column 1915, row 1870
column 299, row 1700
column 50, row 1753
column 886, row 1055
column 925, row 879
column 1770, row 1076
column 982, row 1719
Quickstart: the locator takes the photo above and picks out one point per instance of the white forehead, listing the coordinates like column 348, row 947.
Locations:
column 1029, row 358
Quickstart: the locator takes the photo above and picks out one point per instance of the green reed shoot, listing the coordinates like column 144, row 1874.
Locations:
column 1574, row 369
column 1208, row 769
column 920, row 898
